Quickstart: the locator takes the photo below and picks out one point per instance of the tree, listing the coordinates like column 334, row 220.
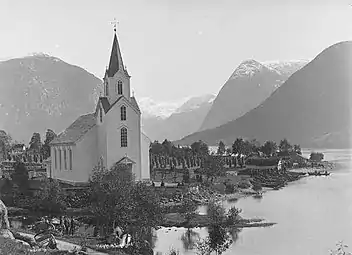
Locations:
column 156, row 148
column 285, row 145
column 316, row 156
column 188, row 207
column 241, row 146
column 221, row 148
column 20, row 176
column 49, row 136
column 269, row 148
column 35, row 142
column 167, row 147
column 297, row 149
column 200, row 148
column 213, row 166
column 116, row 200
column 50, row 198
column 5, row 142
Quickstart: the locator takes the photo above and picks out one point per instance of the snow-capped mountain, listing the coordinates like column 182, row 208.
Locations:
column 311, row 108
column 182, row 121
column 195, row 103
column 248, row 86
column 286, row 67
column 151, row 108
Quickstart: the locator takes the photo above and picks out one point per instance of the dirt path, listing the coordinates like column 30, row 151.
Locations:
column 63, row 245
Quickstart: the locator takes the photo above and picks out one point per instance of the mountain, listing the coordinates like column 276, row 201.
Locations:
column 184, row 120
column 163, row 110
column 40, row 92
column 312, row 108
column 249, row 85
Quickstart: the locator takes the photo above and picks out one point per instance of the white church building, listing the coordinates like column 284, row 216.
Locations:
column 109, row 135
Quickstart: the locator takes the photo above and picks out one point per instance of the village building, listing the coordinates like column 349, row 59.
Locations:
column 110, row 135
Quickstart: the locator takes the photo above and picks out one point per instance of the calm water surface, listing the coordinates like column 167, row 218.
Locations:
column 312, row 215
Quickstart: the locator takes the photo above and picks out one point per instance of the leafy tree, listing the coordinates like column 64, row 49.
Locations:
column 20, row 176
column 285, row 145
column 213, row 166
column 116, row 200
column 316, row 156
column 269, row 148
column 50, row 198
column 35, row 142
column 297, row 149
column 221, row 148
column 156, row 148
column 200, row 148
column 5, row 142
column 188, row 207
column 240, row 146
column 228, row 151
column 167, row 147
column 49, row 136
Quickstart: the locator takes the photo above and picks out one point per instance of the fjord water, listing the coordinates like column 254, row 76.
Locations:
column 312, row 214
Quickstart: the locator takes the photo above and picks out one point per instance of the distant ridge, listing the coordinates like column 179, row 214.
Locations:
column 312, row 108
column 249, row 85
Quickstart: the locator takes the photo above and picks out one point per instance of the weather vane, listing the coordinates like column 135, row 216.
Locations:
column 114, row 23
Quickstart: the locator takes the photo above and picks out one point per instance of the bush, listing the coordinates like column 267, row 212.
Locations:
column 316, row 156
column 233, row 215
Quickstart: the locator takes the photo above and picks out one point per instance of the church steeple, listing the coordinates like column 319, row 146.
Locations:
column 116, row 62
column 116, row 78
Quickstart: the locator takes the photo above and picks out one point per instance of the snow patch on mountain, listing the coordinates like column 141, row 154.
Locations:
column 195, row 103
column 151, row 108
column 249, row 68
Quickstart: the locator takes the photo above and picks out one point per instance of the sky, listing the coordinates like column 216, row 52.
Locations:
column 173, row 49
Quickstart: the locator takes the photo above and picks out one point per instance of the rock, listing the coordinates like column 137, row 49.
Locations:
column 6, row 233
column 4, row 216
column 22, row 242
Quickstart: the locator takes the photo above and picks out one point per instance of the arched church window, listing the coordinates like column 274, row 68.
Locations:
column 123, row 137
column 55, row 158
column 65, row 159
column 123, row 112
column 70, row 158
column 101, row 114
column 106, row 89
column 60, row 161
column 119, row 87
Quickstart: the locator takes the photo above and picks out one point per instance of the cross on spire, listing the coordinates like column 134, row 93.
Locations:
column 114, row 23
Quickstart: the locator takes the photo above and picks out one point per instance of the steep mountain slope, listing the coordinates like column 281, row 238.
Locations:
column 40, row 92
column 312, row 108
column 249, row 85
column 184, row 121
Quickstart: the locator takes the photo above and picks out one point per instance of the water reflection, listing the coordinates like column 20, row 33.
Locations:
column 189, row 239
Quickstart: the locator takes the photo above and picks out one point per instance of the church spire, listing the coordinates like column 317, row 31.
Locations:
column 116, row 62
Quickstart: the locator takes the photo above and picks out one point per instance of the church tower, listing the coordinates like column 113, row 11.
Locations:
column 116, row 79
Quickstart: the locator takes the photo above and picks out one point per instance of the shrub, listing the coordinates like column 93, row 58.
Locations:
column 233, row 215
column 316, row 156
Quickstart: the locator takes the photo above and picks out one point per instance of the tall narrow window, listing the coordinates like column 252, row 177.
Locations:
column 65, row 159
column 123, row 112
column 119, row 87
column 55, row 157
column 60, row 161
column 101, row 114
column 106, row 89
column 70, row 158
column 123, row 137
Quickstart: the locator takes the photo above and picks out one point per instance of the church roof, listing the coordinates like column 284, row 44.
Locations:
column 125, row 160
column 115, row 59
column 76, row 130
column 105, row 103
column 134, row 102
